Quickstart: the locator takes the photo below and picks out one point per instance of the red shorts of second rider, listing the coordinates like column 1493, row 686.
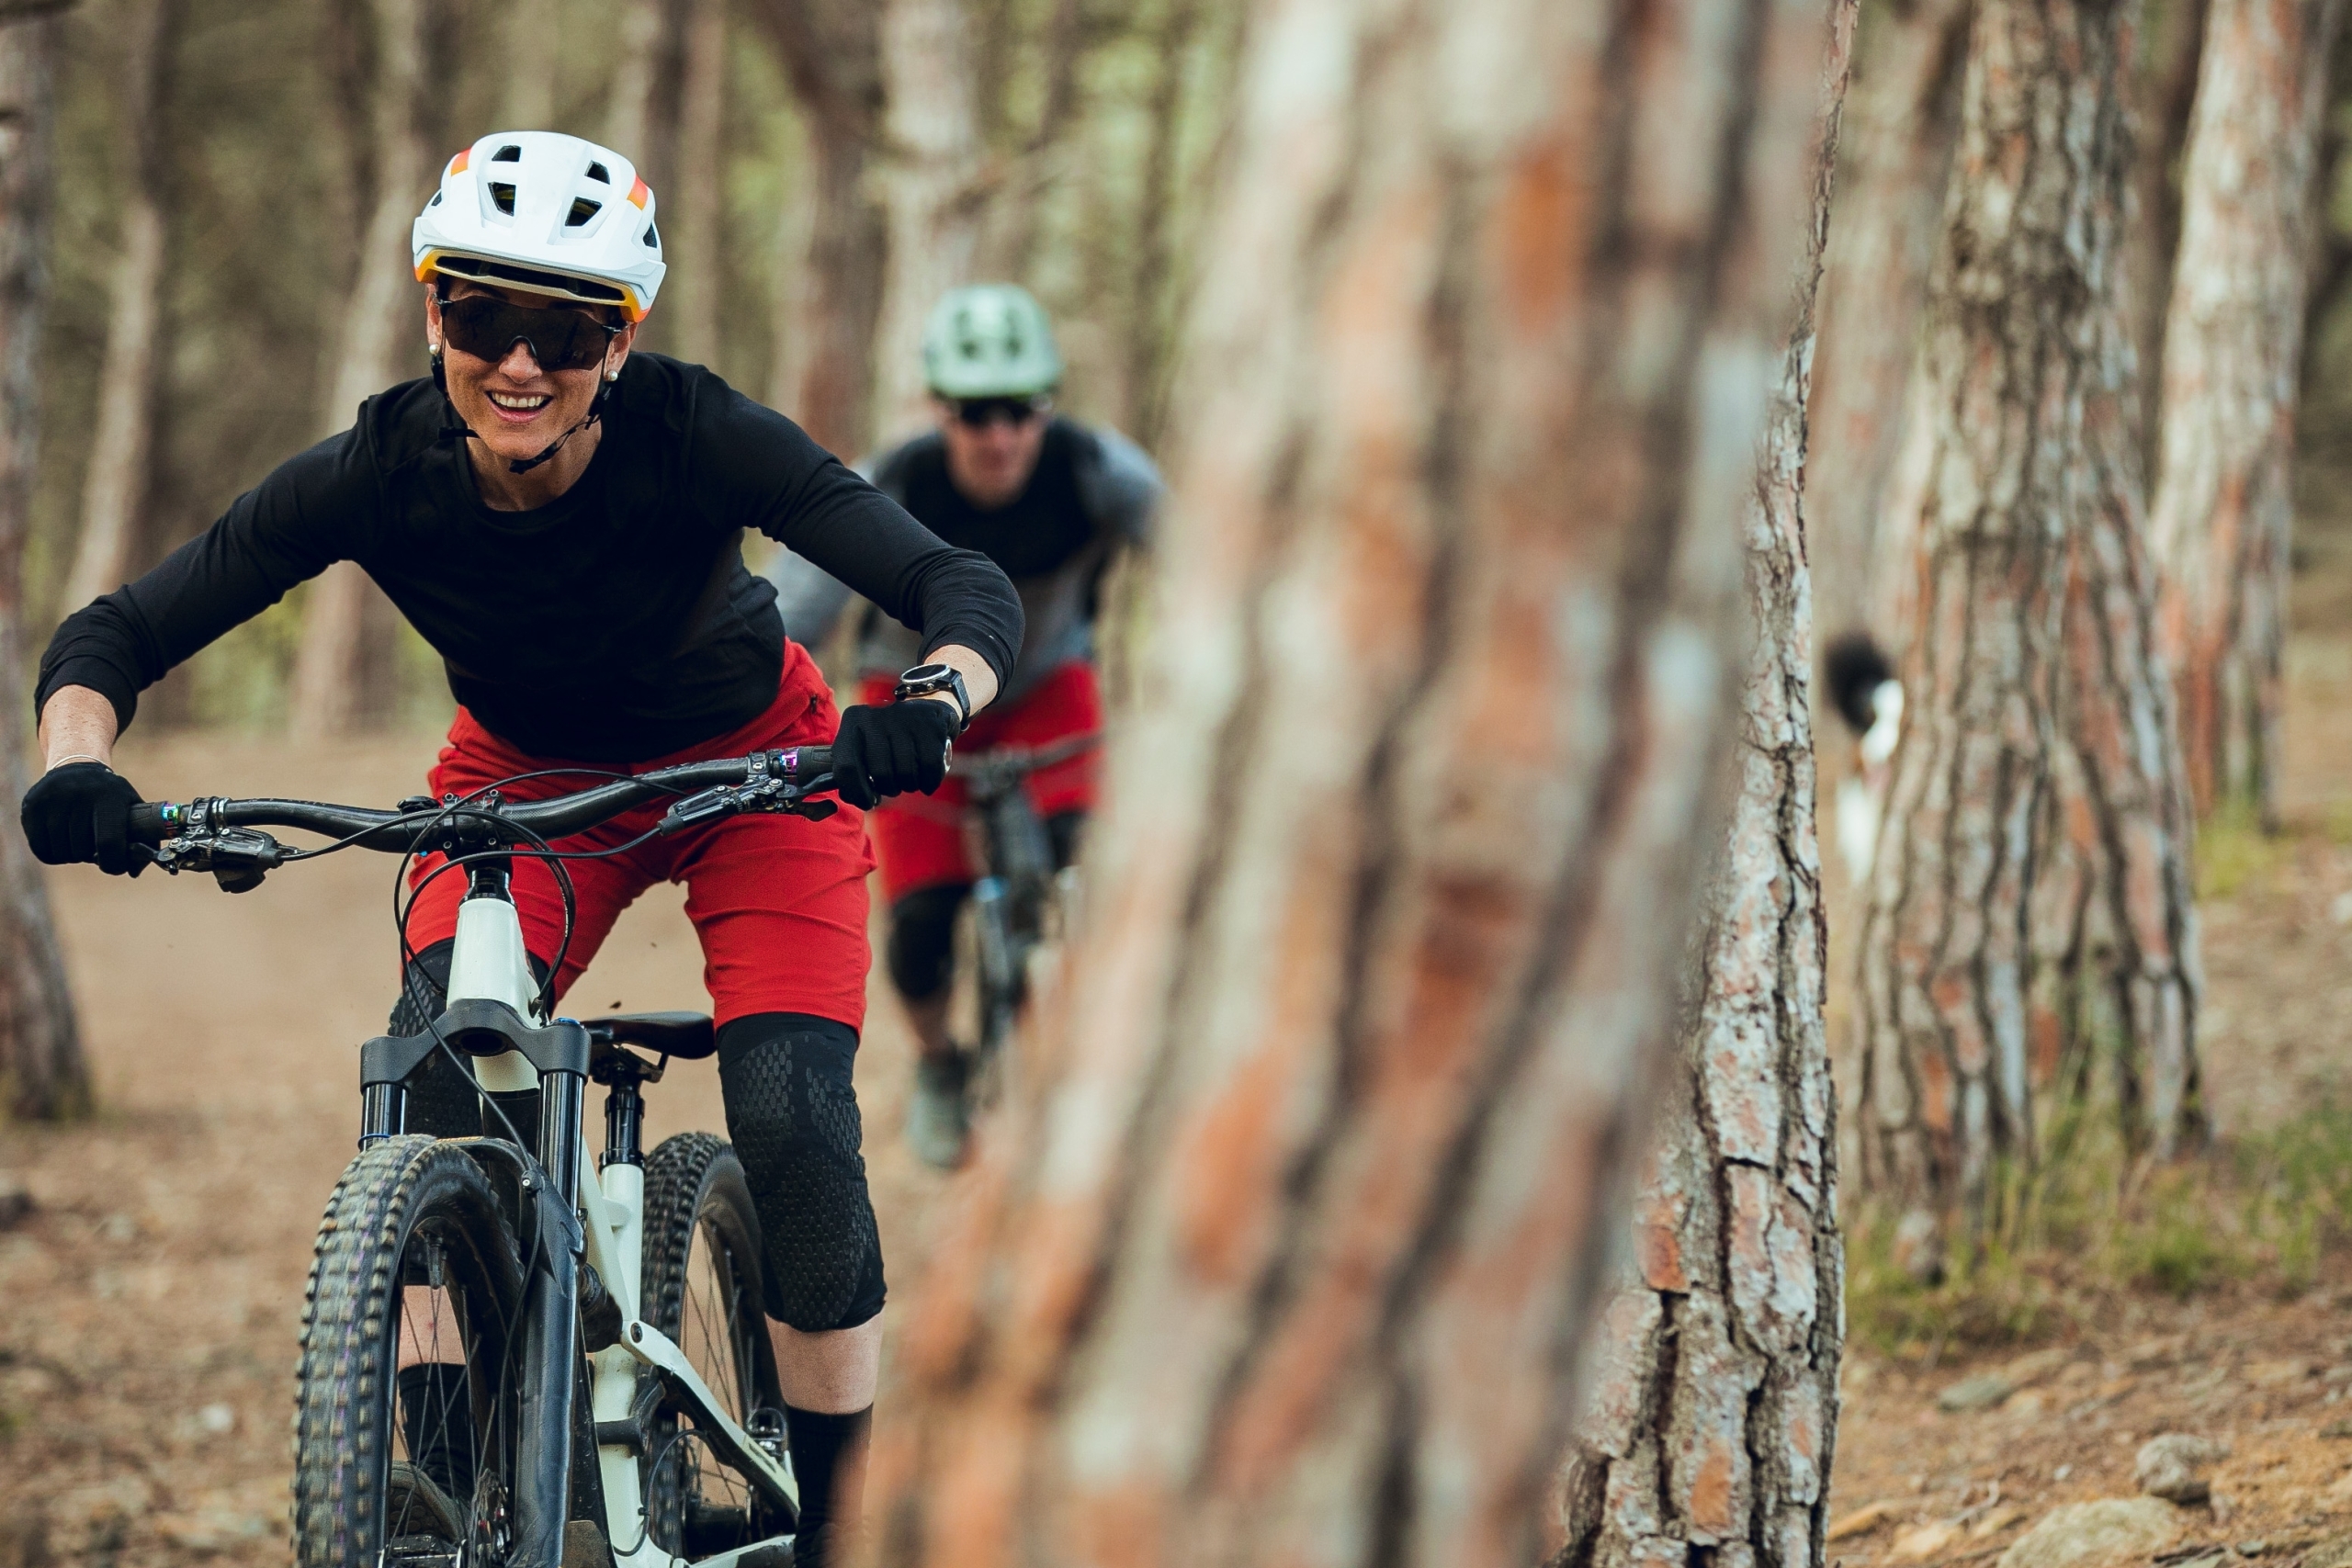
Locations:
column 921, row 837
column 779, row 902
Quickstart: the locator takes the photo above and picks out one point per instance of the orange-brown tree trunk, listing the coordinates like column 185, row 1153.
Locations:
column 2029, row 893
column 2223, row 515
column 2165, row 95
column 114, row 493
column 932, row 186
column 42, row 1071
column 1285, row 1246
column 831, row 51
column 1895, row 157
column 1714, row 1414
column 345, row 671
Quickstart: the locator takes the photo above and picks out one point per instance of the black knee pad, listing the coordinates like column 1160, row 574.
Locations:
column 442, row 1098
column 792, row 1112
column 922, row 940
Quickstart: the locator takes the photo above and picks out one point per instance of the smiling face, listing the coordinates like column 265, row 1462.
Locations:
column 516, row 407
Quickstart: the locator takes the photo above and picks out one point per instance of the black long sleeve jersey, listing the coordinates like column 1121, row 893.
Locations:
column 616, row 623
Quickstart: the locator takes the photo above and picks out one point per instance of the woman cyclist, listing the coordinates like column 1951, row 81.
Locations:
column 561, row 520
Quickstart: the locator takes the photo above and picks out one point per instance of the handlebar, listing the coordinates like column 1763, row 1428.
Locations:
column 215, row 834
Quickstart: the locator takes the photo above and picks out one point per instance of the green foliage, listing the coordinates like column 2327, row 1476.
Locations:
column 2234, row 854
column 2093, row 1220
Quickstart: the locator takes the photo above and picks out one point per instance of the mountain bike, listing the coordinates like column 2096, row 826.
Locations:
column 602, row 1392
column 1011, row 902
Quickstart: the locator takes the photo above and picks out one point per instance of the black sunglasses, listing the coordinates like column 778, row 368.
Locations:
column 978, row 413
column 486, row 327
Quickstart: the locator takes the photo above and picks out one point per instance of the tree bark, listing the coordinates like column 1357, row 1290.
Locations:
column 2223, row 515
column 641, row 113
column 2167, row 94
column 696, row 235
column 1150, row 297
column 114, row 492
column 2029, row 893
column 526, row 82
column 933, row 188
column 43, row 1072
column 1284, row 1248
column 831, row 51
column 1901, row 126
column 1008, row 242
column 344, row 666
column 1714, row 1413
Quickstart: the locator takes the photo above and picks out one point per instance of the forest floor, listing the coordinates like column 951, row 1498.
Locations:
column 155, row 1280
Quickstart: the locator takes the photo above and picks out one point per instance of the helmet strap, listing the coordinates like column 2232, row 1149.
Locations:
column 457, row 429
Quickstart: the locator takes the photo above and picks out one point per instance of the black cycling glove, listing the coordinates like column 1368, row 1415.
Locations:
column 82, row 812
column 889, row 750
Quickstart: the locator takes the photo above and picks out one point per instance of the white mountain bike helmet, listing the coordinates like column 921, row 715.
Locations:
column 551, row 213
column 990, row 340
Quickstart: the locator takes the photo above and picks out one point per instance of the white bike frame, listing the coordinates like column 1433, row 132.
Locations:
column 488, row 963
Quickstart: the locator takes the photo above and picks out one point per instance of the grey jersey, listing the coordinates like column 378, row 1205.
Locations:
column 1092, row 489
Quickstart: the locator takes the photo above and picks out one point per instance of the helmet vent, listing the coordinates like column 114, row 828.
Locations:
column 502, row 196
column 652, row 240
column 435, row 201
column 600, row 173
column 582, row 210
column 509, row 153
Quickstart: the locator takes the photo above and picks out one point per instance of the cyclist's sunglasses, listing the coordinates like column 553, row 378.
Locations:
column 978, row 413
column 486, row 327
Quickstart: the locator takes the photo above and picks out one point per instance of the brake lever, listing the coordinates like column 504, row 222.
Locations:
column 238, row 858
column 768, row 794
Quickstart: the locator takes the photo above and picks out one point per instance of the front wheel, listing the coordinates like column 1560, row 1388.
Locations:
column 405, row 1409
column 702, row 1275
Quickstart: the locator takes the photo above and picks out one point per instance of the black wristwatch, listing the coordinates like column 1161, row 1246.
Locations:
column 924, row 679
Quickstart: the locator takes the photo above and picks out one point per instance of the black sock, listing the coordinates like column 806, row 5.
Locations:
column 829, row 1462
column 437, row 1423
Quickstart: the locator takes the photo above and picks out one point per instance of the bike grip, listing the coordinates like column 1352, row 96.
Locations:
column 807, row 761
column 151, row 822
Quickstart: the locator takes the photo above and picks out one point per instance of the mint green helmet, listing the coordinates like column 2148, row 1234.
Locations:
column 990, row 340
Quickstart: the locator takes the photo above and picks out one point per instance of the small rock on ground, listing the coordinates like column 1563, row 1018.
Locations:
column 2091, row 1535
column 2172, row 1466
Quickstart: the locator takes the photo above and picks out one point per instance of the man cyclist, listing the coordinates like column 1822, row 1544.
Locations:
column 1047, row 499
column 561, row 519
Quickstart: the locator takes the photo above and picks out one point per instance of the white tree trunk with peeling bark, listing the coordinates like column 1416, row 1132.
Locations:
column 1715, row 1409
column 1895, row 155
column 337, row 674
column 931, row 188
column 2028, row 925
column 42, row 1070
column 2223, row 516
column 1284, row 1249
column 115, row 490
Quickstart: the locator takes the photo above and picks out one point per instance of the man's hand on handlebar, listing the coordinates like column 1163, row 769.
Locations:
column 80, row 812
column 890, row 751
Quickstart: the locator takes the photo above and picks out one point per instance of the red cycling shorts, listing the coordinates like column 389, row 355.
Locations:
column 779, row 902
column 921, row 837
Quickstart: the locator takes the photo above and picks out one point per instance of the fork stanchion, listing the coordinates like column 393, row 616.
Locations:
column 383, row 1111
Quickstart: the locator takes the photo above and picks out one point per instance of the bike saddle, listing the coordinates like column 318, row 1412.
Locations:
column 687, row 1036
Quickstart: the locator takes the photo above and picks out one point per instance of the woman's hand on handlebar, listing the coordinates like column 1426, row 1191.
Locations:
column 80, row 812
column 892, row 750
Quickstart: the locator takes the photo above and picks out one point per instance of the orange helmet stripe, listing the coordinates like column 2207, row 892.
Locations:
column 458, row 163
column 641, row 193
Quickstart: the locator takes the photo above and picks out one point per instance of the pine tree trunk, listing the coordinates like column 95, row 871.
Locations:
column 933, row 191
column 2223, row 515
column 528, row 71
column 1901, row 126
column 696, row 234
column 831, row 51
column 1286, row 1246
column 115, row 491
column 2029, row 893
column 1715, row 1408
column 1151, row 295
column 2167, row 93
column 344, row 665
column 43, row 1072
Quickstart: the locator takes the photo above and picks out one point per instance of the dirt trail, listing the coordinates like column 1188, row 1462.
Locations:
column 153, row 1292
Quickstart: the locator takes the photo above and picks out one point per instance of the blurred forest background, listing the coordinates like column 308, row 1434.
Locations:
column 218, row 162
